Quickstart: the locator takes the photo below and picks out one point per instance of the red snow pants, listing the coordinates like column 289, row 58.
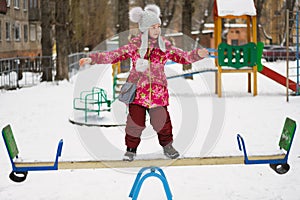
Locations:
column 159, row 119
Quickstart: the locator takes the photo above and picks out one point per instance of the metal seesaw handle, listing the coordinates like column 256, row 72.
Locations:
column 211, row 50
column 19, row 174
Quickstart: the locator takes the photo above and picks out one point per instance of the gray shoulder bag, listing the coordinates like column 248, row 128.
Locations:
column 127, row 92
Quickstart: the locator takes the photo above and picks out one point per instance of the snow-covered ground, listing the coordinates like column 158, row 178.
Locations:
column 204, row 125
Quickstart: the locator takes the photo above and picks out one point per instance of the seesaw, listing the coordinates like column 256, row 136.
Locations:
column 19, row 173
column 280, row 165
column 278, row 162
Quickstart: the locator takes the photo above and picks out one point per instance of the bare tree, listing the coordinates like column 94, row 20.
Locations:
column 259, row 7
column 167, row 9
column 290, row 7
column 88, row 23
column 205, row 14
column 46, row 40
column 78, row 24
column 187, row 10
column 123, row 29
column 62, row 9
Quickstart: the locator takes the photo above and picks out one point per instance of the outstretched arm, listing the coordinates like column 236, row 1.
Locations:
column 186, row 57
column 114, row 56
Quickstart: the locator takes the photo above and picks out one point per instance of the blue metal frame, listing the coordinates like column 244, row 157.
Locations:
column 211, row 50
column 41, row 168
column 139, row 180
column 286, row 146
column 242, row 147
column 36, row 168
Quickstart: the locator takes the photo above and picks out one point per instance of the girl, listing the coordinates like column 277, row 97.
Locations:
column 149, row 52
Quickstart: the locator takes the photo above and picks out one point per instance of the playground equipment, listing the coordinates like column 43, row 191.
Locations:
column 250, row 55
column 278, row 162
column 19, row 173
column 238, row 59
column 282, row 80
column 225, row 10
column 293, row 33
column 116, row 69
column 91, row 101
column 280, row 165
column 140, row 178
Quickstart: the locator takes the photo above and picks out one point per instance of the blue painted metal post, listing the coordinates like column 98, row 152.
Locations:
column 139, row 180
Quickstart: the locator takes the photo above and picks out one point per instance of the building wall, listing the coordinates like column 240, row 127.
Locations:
column 273, row 21
column 237, row 36
column 19, row 36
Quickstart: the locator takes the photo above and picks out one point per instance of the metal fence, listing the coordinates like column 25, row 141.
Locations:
column 21, row 72
column 73, row 62
column 25, row 71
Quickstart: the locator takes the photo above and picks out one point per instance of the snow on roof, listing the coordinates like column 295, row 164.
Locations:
column 236, row 7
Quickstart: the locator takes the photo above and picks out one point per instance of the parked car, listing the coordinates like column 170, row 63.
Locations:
column 273, row 52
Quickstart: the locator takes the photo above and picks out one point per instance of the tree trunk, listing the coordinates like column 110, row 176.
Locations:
column 206, row 13
column 123, row 28
column 290, row 6
column 167, row 9
column 46, row 41
column 187, row 29
column 259, row 7
column 62, row 39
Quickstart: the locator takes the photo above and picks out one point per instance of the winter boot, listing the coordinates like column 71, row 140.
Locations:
column 130, row 154
column 170, row 152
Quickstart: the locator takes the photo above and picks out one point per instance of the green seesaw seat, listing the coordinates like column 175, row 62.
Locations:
column 278, row 165
column 13, row 152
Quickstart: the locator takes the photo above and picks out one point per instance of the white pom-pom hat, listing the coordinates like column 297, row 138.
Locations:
column 146, row 18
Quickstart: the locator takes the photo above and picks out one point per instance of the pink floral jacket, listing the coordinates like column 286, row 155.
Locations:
column 152, row 88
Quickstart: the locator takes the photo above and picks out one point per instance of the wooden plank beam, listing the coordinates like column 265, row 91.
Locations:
column 236, row 70
column 189, row 161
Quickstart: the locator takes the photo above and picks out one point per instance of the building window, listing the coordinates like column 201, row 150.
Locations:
column 25, row 4
column 17, row 32
column 7, row 31
column 3, row 7
column 17, row 4
column 8, row 3
column 32, row 32
column 235, row 42
column 33, row 3
column 26, row 33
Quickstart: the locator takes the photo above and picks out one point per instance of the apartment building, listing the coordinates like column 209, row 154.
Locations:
column 20, row 29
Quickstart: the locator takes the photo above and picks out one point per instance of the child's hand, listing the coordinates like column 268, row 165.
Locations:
column 203, row 53
column 84, row 61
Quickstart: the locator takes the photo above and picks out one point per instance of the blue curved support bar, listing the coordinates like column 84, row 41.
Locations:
column 139, row 180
